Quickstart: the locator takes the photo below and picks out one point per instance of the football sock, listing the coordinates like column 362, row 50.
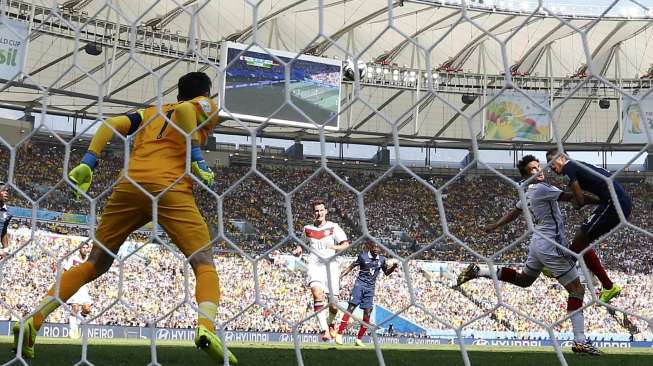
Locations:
column 71, row 281
column 577, row 319
column 484, row 272
column 594, row 265
column 507, row 274
column 343, row 323
column 332, row 317
column 207, row 294
column 361, row 331
column 321, row 315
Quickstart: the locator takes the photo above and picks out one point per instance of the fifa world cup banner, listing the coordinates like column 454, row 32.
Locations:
column 13, row 47
column 513, row 117
column 635, row 118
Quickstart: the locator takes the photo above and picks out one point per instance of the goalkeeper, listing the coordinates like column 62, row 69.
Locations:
column 157, row 161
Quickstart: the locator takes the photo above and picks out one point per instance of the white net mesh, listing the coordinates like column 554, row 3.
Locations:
column 563, row 64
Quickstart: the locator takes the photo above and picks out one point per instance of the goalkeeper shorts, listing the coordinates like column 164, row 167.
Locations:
column 128, row 209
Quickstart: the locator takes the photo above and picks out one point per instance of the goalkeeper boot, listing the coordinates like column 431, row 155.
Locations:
column 29, row 338
column 585, row 348
column 468, row 274
column 607, row 295
column 210, row 343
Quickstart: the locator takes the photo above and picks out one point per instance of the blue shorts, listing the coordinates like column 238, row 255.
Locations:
column 362, row 296
column 605, row 218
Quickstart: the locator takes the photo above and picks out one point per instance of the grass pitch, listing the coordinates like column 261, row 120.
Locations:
column 61, row 352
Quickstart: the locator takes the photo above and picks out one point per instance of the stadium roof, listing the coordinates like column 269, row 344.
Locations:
column 545, row 52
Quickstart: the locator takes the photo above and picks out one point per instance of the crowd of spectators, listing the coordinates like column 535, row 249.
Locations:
column 154, row 289
column 399, row 211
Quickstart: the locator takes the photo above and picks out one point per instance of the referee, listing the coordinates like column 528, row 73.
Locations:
column 5, row 218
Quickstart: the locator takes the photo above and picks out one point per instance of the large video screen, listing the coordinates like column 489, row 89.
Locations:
column 254, row 87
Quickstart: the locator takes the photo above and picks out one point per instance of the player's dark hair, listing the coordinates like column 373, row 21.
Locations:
column 193, row 85
column 551, row 153
column 523, row 164
column 317, row 202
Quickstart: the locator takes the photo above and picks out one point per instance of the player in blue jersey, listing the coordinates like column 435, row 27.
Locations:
column 590, row 178
column 370, row 264
column 542, row 202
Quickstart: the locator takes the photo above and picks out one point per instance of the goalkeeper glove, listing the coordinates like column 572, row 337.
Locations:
column 82, row 175
column 199, row 167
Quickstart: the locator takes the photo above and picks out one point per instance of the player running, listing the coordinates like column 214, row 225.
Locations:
column 325, row 238
column 157, row 162
column 370, row 264
column 586, row 177
column 80, row 302
column 542, row 201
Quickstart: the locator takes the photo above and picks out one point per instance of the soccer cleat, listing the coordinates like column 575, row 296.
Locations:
column 326, row 336
column 332, row 331
column 29, row 338
column 359, row 343
column 339, row 339
column 468, row 274
column 607, row 295
column 208, row 342
column 586, row 348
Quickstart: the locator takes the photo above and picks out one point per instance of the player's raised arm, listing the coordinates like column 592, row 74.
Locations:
column 298, row 249
column 509, row 217
column 343, row 245
column 588, row 199
column 351, row 267
column 579, row 197
column 82, row 174
column 388, row 269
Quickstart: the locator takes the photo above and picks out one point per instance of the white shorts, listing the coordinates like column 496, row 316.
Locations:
column 81, row 297
column 317, row 277
column 544, row 254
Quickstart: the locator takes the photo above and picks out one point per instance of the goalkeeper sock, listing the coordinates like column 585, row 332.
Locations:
column 207, row 294
column 71, row 281
column 343, row 323
column 577, row 319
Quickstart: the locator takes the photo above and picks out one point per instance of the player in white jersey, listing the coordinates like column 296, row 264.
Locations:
column 542, row 202
column 325, row 239
column 80, row 302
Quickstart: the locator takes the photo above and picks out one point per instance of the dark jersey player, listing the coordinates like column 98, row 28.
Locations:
column 587, row 177
column 370, row 264
column 5, row 219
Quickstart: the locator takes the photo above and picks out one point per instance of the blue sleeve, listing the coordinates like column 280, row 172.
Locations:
column 135, row 118
column 570, row 171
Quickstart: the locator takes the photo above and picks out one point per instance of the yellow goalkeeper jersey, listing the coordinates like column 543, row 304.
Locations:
column 158, row 155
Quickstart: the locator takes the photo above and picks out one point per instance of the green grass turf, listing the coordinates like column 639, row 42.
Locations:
column 62, row 352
